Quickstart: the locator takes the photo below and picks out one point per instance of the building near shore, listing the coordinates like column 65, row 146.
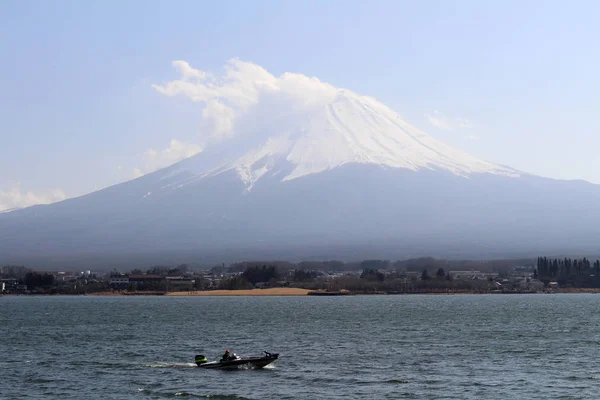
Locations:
column 9, row 285
column 531, row 284
column 473, row 275
column 180, row 283
column 147, row 282
column 119, row 281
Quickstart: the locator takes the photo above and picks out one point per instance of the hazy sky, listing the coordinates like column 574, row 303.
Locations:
column 514, row 82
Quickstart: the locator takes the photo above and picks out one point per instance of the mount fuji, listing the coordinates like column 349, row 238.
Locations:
column 343, row 177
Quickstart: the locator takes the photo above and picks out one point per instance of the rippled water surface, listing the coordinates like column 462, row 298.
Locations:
column 430, row 347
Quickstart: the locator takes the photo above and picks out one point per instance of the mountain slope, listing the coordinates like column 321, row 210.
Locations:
column 347, row 176
column 350, row 129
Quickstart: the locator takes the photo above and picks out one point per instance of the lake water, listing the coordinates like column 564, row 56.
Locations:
column 371, row 347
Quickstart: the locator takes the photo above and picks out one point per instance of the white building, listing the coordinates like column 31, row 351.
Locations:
column 472, row 275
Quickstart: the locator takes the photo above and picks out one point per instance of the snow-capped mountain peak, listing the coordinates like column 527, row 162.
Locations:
column 325, row 171
column 349, row 129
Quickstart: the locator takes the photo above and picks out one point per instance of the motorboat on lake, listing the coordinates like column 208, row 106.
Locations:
column 236, row 362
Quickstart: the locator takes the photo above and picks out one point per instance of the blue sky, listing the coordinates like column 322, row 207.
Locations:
column 514, row 82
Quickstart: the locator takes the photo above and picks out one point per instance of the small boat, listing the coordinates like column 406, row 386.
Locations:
column 236, row 362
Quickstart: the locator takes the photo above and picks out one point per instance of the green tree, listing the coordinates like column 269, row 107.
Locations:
column 371, row 274
column 235, row 283
column 34, row 280
column 261, row 274
column 300, row 275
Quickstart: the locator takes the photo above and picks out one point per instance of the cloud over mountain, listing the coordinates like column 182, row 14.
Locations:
column 17, row 198
column 271, row 123
column 156, row 159
column 245, row 93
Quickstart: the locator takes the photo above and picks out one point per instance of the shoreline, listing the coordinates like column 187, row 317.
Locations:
column 220, row 293
column 306, row 292
column 245, row 292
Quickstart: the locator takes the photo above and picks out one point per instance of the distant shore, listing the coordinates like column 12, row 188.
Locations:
column 305, row 292
column 249, row 292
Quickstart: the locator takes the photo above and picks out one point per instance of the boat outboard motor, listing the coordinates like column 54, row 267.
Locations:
column 201, row 359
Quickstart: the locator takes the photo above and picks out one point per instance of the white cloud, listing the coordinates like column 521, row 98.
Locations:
column 187, row 72
column 219, row 118
column 244, row 94
column 440, row 121
column 156, row 159
column 16, row 198
column 464, row 123
column 137, row 172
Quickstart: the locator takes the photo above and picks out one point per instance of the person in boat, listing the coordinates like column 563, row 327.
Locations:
column 227, row 356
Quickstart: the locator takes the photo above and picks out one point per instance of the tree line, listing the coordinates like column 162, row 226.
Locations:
column 578, row 273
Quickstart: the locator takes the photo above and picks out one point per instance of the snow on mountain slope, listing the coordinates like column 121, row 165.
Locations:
column 350, row 129
column 295, row 126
